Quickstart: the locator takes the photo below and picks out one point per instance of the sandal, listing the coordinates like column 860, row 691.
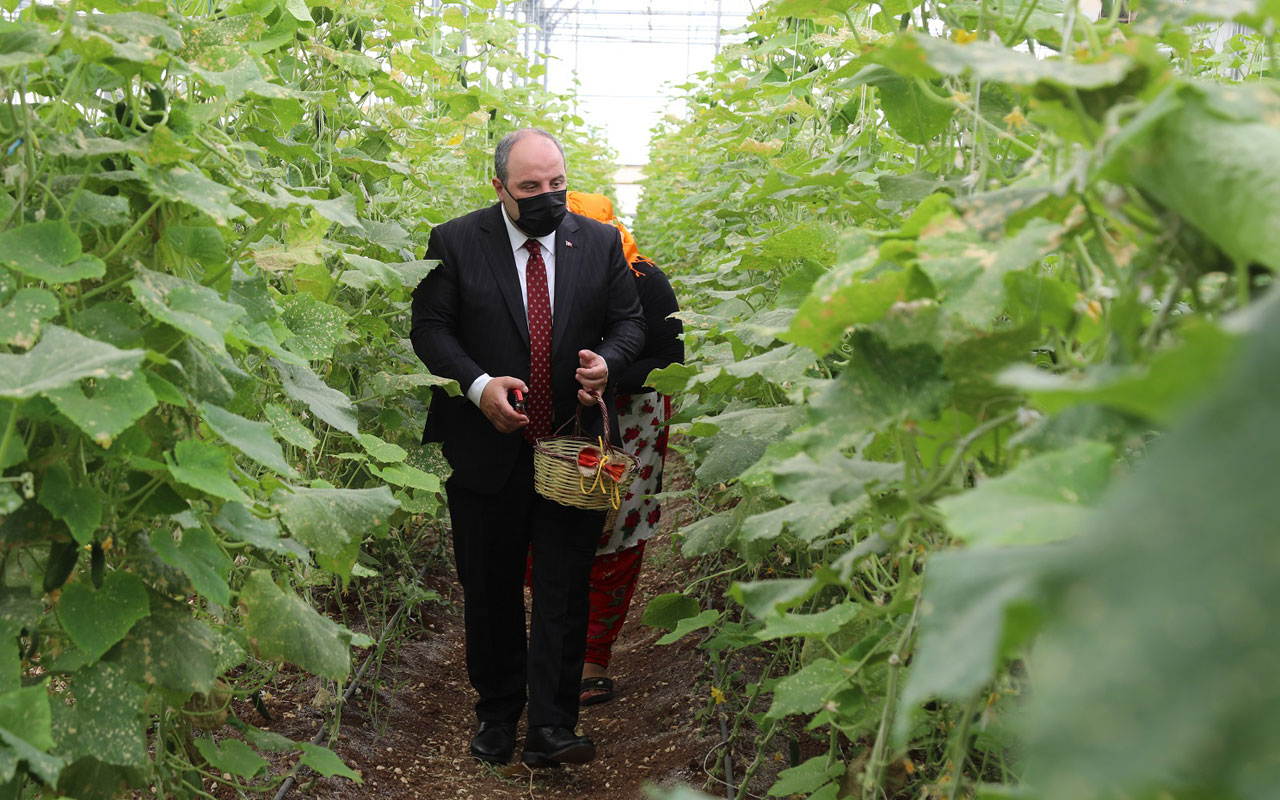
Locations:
column 601, row 690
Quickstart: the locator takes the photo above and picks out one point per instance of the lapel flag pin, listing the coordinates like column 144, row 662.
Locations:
column 568, row 243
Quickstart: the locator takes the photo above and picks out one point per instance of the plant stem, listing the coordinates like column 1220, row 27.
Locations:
column 961, row 752
column 133, row 229
column 873, row 777
column 961, row 447
column 9, row 428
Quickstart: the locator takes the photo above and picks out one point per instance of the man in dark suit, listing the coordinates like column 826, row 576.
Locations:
column 526, row 297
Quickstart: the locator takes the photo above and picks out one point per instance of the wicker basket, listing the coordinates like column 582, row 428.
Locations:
column 555, row 468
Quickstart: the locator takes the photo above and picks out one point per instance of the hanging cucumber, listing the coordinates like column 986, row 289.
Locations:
column 62, row 559
column 97, row 564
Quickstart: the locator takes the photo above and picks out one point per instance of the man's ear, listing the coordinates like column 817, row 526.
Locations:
column 497, row 187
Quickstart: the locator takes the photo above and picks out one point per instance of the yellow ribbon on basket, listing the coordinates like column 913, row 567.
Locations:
column 598, row 464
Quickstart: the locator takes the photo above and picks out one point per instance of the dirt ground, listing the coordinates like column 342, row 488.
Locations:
column 416, row 744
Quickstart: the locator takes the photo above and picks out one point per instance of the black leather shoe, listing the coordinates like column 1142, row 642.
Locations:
column 552, row 745
column 495, row 742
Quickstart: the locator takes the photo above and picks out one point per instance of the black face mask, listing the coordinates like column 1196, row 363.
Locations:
column 542, row 213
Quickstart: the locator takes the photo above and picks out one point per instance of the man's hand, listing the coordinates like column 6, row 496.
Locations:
column 494, row 405
column 593, row 374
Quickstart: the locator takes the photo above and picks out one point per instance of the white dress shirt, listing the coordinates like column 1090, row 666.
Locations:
column 518, row 238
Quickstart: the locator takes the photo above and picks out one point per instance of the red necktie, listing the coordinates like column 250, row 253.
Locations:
column 539, row 314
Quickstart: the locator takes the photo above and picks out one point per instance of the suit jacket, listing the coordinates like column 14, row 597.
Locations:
column 469, row 319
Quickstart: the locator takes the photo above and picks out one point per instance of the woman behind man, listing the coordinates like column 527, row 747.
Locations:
column 642, row 416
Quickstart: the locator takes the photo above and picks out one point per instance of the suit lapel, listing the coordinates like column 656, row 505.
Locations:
column 496, row 246
column 567, row 249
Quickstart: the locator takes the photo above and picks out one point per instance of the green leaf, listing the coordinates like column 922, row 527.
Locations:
column 407, row 274
column 909, row 188
column 823, row 623
column 327, row 403
column 780, row 366
column 282, row 627
column 383, row 451
column 245, row 78
column 269, row 741
column 807, row 521
column 188, row 185
column 881, row 386
column 23, row 318
column 298, row 9
column 835, row 479
column 969, row 274
column 110, row 408
column 763, row 598
column 44, row 766
column 341, row 209
column 48, row 251
column 974, row 363
column 729, row 457
column 1157, row 391
column 763, row 423
column 77, row 505
column 317, row 327
column 385, row 384
column 1032, row 295
column 813, row 240
column 205, row 467
column 326, row 762
column 59, row 359
column 232, row 756
column 1152, row 675
column 707, row 535
column 1211, row 169
column 189, row 307
column 672, row 379
column 843, row 298
column 197, row 372
column 808, row 777
column 239, row 522
column 113, row 322
column 248, row 436
column 170, row 649
column 26, row 710
column 977, row 607
column 289, row 428
column 805, row 691
column 203, row 244
column 688, row 625
column 24, row 44
column 331, row 521
column 405, row 475
column 96, row 620
column 922, row 55
column 370, row 270
column 389, row 235
column 667, row 610
column 201, row 558
column 106, row 721
column 1046, row 498
column 916, row 111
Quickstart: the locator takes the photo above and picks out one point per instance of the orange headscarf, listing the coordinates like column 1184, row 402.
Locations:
column 599, row 208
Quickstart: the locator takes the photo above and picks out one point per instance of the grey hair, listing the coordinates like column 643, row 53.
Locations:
column 502, row 153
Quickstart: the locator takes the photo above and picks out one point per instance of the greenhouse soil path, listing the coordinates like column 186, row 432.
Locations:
column 416, row 745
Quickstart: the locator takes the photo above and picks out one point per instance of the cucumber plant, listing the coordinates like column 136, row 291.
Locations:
column 978, row 300
column 211, row 220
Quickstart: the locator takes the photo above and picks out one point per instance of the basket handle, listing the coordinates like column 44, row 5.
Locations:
column 577, row 420
column 604, row 417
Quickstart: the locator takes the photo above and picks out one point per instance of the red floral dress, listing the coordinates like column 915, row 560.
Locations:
column 641, row 418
